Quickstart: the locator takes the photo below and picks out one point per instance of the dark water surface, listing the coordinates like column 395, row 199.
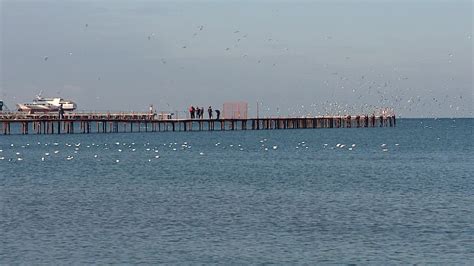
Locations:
column 403, row 195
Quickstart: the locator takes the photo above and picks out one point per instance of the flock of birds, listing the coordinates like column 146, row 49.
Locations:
column 110, row 152
column 362, row 93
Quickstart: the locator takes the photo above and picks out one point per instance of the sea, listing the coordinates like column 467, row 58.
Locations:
column 402, row 195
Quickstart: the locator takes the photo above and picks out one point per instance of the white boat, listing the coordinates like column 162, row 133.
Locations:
column 41, row 104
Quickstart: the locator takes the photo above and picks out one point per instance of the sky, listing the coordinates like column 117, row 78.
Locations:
column 288, row 57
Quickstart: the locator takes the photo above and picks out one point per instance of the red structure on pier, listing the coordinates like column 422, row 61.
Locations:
column 235, row 110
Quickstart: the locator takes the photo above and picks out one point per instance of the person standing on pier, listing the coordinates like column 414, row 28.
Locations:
column 218, row 114
column 191, row 111
column 209, row 111
column 61, row 111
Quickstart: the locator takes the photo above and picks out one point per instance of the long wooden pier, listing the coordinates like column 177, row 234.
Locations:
column 21, row 123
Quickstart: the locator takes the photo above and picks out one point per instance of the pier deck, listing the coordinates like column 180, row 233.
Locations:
column 70, row 123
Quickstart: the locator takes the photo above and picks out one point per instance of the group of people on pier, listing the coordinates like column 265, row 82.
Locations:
column 198, row 113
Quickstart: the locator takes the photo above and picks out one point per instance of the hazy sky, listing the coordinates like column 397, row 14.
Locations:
column 292, row 57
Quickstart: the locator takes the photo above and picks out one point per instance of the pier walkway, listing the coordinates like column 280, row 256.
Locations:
column 70, row 123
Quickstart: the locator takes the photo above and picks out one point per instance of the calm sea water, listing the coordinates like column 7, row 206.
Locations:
column 402, row 195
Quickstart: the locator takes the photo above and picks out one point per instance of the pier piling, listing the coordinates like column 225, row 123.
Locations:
column 107, row 123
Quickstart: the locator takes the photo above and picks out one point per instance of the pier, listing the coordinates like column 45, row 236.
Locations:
column 71, row 123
